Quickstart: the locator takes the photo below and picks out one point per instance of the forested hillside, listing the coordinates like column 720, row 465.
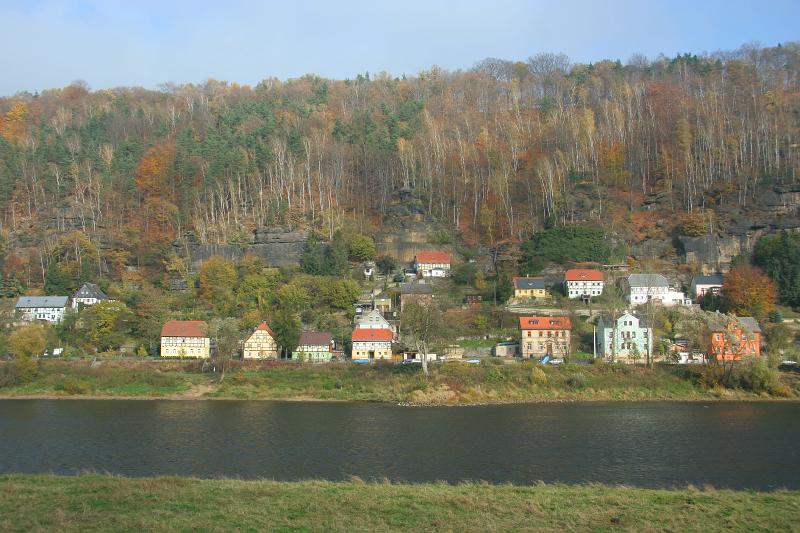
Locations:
column 645, row 149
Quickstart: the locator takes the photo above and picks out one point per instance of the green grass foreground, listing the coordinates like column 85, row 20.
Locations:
column 103, row 503
column 450, row 383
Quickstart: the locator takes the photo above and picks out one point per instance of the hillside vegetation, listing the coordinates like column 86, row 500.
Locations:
column 495, row 153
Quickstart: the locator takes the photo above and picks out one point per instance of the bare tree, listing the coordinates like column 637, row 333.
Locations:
column 422, row 327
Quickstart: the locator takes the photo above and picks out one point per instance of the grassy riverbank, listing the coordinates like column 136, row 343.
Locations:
column 449, row 383
column 101, row 503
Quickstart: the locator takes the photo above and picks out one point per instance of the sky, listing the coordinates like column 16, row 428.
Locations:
column 111, row 43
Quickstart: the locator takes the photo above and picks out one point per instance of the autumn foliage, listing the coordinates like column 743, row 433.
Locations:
column 749, row 291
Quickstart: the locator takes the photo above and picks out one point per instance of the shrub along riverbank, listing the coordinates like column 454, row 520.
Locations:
column 102, row 503
column 491, row 381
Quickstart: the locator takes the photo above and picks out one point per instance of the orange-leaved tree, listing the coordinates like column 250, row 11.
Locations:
column 749, row 291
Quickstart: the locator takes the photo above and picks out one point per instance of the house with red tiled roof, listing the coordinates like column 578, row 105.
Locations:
column 432, row 264
column 371, row 343
column 544, row 335
column 585, row 283
column 185, row 338
column 260, row 344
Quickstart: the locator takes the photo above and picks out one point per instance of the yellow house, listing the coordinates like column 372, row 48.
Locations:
column 185, row 338
column 530, row 288
column 372, row 343
column 261, row 344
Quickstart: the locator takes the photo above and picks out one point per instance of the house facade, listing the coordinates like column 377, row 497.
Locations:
column 733, row 338
column 260, row 344
column 544, row 335
column 432, row 264
column 382, row 302
column 705, row 284
column 48, row 308
column 530, row 287
column 415, row 292
column 641, row 288
column 185, row 338
column 88, row 294
column 583, row 283
column 626, row 339
column 372, row 344
column 314, row 346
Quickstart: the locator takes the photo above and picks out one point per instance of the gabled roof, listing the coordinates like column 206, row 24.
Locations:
column 608, row 321
column 720, row 322
column 373, row 317
column 184, row 328
column 432, row 256
column 529, row 283
column 416, row 288
column 371, row 335
column 27, row 302
column 648, row 280
column 583, row 274
column 91, row 290
column 264, row 327
column 315, row 338
column 714, row 279
column 545, row 322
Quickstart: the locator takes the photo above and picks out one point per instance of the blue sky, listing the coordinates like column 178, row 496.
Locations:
column 110, row 43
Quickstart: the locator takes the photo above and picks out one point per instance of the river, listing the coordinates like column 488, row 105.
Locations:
column 650, row 444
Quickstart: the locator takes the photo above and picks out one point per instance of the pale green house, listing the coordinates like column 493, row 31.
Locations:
column 630, row 341
column 314, row 346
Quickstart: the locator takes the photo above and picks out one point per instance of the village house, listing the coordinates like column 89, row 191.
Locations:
column 260, row 344
column 530, row 288
column 185, row 338
column 642, row 288
column 472, row 298
column 48, row 308
column 382, row 302
column 627, row 339
column 373, row 320
column 584, row 283
column 415, row 292
column 733, row 338
column 544, row 335
column 314, row 346
column 432, row 264
column 371, row 344
column 88, row 294
column 703, row 284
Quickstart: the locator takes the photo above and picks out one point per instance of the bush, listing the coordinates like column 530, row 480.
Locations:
column 25, row 370
column 538, row 377
column 75, row 385
column 759, row 377
column 576, row 381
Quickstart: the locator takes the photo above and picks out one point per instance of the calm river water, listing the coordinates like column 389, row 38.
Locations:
column 736, row 445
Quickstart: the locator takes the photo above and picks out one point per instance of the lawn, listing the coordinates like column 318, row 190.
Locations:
column 102, row 503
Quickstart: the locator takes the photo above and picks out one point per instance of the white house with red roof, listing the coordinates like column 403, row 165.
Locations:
column 260, row 344
column 432, row 264
column 185, row 338
column 371, row 343
column 583, row 283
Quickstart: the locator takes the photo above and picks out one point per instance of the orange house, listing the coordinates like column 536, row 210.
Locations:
column 735, row 338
